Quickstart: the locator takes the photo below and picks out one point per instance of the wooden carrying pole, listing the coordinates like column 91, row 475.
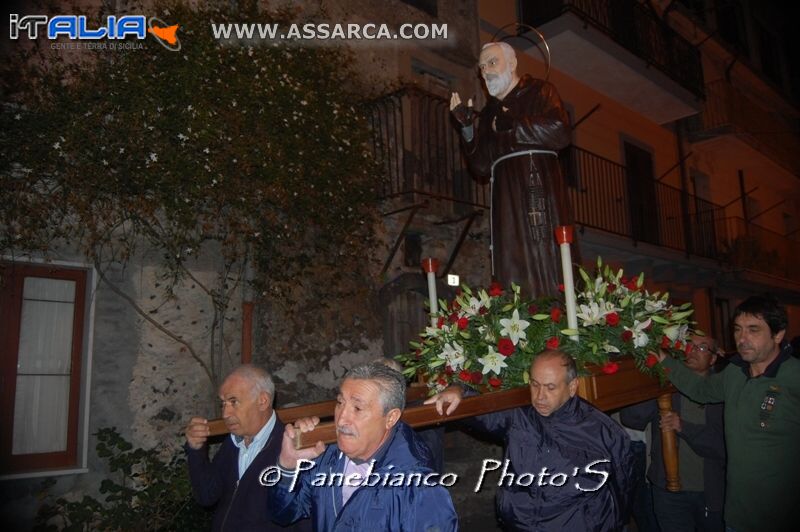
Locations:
column 669, row 446
column 607, row 392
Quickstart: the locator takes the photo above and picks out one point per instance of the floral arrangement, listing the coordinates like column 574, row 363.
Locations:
column 488, row 338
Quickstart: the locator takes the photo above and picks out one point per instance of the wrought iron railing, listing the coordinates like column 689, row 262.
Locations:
column 729, row 110
column 634, row 27
column 418, row 149
column 601, row 198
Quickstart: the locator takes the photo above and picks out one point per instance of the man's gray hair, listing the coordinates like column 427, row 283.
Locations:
column 261, row 379
column 508, row 50
column 391, row 383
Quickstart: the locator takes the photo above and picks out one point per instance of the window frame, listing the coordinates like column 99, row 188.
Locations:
column 74, row 459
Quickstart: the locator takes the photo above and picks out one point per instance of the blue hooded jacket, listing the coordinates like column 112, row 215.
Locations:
column 412, row 506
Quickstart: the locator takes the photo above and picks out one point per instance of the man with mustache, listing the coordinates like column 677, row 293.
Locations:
column 371, row 441
column 230, row 482
column 529, row 195
column 701, row 451
column 760, row 389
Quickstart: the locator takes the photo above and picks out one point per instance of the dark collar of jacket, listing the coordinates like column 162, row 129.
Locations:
column 772, row 369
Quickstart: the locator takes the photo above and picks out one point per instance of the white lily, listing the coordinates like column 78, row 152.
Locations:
column 453, row 355
column 473, row 307
column 608, row 348
column 676, row 332
column 514, row 328
column 654, row 306
column 492, row 361
column 592, row 313
column 640, row 338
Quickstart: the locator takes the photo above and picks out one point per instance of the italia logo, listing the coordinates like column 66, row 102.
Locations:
column 76, row 27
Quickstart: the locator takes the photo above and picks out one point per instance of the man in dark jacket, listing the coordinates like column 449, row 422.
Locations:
column 581, row 459
column 375, row 477
column 529, row 194
column 230, row 481
column 701, row 451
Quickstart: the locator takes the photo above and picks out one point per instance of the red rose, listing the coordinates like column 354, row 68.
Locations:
column 495, row 289
column 610, row 368
column 555, row 314
column 631, row 285
column 463, row 323
column 561, row 287
column 665, row 342
column 505, row 347
column 651, row 360
column 611, row 288
column 477, row 377
column 464, row 375
column 678, row 346
column 448, row 370
column 442, row 381
column 626, row 336
column 495, row 382
column 533, row 309
column 440, row 322
column 612, row 319
column 453, row 317
column 552, row 343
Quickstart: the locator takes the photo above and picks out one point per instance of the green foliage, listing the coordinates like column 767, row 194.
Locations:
column 244, row 150
column 148, row 494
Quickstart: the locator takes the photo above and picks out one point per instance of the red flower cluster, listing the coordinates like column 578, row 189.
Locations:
column 651, row 360
column 505, row 347
column 495, row 289
column 495, row 382
column 610, row 368
column 555, row 314
column 613, row 319
column 475, row 377
column 552, row 342
column 463, row 323
column 626, row 336
column 665, row 342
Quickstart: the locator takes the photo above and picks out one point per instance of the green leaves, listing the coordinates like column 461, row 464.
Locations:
column 147, row 492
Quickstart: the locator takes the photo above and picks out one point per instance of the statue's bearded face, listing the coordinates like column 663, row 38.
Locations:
column 496, row 71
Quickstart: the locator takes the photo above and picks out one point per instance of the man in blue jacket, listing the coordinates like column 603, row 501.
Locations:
column 580, row 458
column 376, row 476
column 230, row 481
column 701, row 451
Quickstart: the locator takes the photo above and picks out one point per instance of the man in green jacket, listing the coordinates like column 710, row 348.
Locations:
column 761, row 392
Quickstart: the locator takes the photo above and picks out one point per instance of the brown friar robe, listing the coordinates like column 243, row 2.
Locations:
column 529, row 193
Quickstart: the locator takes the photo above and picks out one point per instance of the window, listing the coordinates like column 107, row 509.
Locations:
column 42, row 352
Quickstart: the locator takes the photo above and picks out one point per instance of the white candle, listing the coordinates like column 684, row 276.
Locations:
column 431, row 265
column 564, row 238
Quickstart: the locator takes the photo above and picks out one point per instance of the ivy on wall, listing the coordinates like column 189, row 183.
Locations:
column 254, row 152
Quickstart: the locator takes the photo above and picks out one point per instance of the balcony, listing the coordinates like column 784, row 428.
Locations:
column 602, row 199
column 619, row 48
column 728, row 111
column 418, row 149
